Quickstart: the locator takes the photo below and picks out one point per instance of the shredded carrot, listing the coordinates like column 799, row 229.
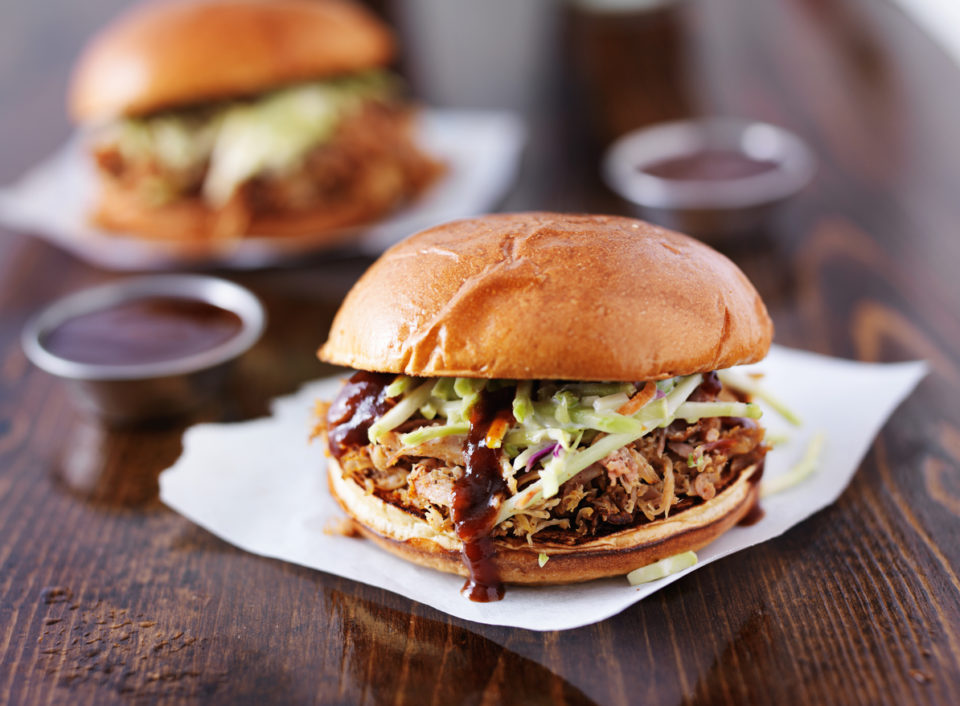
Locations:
column 643, row 395
column 498, row 429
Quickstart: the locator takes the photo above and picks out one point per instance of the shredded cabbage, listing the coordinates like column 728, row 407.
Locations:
column 401, row 412
column 800, row 472
column 562, row 402
column 522, row 406
column 610, row 403
column 575, row 461
column 666, row 385
column 468, row 390
column 242, row 139
column 599, row 389
column 399, row 386
column 468, row 387
column 418, row 436
column 772, row 439
column 528, row 458
column 550, row 474
column 749, row 386
column 443, row 389
column 661, row 569
column 692, row 412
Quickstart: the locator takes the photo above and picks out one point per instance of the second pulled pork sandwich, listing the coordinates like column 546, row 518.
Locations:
column 536, row 398
column 217, row 119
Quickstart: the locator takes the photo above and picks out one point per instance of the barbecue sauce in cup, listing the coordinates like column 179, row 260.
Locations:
column 147, row 330
column 709, row 165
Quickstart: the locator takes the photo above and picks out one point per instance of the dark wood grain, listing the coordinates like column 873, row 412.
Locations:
column 108, row 597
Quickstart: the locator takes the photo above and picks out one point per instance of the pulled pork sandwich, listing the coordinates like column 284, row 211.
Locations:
column 223, row 118
column 536, row 398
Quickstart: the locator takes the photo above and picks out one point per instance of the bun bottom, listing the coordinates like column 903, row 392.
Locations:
column 409, row 537
column 190, row 225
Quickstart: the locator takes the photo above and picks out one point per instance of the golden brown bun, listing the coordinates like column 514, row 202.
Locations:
column 161, row 55
column 411, row 538
column 550, row 296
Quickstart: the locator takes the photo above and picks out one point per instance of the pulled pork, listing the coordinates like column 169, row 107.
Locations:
column 369, row 166
column 666, row 471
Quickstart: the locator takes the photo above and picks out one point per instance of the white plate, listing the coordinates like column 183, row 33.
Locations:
column 480, row 148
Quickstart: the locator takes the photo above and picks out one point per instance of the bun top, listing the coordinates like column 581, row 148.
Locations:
column 550, row 296
column 162, row 55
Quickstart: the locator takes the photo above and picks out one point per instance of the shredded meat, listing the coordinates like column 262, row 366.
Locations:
column 448, row 449
column 434, row 483
column 371, row 161
column 663, row 472
column 622, row 466
column 650, row 478
column 369, row 167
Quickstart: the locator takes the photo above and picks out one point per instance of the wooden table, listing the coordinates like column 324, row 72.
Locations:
column 107, row 597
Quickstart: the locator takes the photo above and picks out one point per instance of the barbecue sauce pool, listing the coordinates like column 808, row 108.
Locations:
column 143, row 331
column 710, row 165
column 753, row 516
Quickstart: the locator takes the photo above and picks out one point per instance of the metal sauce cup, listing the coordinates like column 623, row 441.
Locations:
column 708, row 207
column 137, row 393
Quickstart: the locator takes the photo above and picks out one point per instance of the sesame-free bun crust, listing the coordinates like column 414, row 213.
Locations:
column 411, row 538
column 167, row 54
column 550, row 296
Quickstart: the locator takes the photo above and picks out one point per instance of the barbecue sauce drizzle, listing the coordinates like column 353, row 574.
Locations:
column 711, row 384
column 361, row 401
column 476, row 496
column 476, row 500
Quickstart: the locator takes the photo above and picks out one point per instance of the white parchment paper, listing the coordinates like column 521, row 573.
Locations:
column 940, row 18
column 480, row 148
column 261, row 486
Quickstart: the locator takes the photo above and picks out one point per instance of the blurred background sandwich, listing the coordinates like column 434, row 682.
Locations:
column 226, row 118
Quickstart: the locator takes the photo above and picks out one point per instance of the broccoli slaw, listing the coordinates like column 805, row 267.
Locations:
column 557, row 429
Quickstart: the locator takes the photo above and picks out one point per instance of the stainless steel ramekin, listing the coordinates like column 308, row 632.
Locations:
column 708, row 208
column 133, row 394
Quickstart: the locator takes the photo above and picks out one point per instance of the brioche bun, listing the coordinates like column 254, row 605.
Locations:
column 167, row 54
column 550, row 296
column 581, row 559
